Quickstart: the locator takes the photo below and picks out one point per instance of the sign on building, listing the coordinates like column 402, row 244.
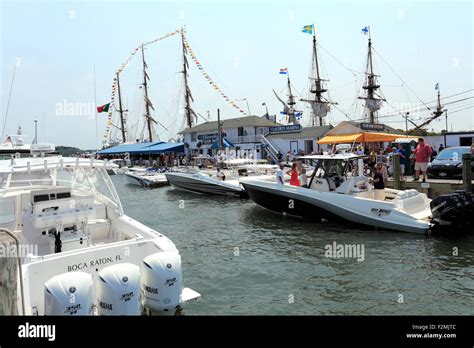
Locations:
column 372, row 126
column 294, row 128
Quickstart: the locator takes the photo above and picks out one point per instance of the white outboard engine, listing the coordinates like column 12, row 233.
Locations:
column 69, row 294
column 162, row 281
column 118, row 290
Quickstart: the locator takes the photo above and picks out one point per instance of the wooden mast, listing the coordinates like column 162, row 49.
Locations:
column 148, row 103
column 189, row 112
column 317, row 88
column 371, row 86
column 120, row 110
column 291, row 103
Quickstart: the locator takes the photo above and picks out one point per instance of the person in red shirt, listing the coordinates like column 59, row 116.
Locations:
column 422, row 157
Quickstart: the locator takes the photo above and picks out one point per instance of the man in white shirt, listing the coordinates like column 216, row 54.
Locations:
column 280, row 174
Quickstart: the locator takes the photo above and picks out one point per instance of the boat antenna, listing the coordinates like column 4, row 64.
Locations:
column 8, row 102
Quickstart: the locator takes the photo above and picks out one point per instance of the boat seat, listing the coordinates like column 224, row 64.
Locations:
column 347, row 186
column 412, row 204
column 332, row 184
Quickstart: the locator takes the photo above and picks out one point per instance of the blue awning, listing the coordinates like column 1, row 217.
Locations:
column 162, row 148
column 136, row 148
column 225, row 143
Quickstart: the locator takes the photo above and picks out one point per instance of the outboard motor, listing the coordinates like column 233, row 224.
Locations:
column 161, row 281
column 69, row 294
column 118, row 290
column 453, row 213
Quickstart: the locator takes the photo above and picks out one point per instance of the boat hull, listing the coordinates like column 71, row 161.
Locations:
column 197, row 183
column 334, row 207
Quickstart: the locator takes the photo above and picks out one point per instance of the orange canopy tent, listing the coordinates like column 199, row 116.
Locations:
column 365, row 137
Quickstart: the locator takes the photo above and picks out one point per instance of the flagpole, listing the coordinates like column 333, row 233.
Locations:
column 95, row 112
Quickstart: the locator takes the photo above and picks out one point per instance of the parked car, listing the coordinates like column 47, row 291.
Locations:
column 448, row 163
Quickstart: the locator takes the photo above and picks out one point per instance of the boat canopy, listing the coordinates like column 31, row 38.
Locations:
column 136, row 148
column 364, row 137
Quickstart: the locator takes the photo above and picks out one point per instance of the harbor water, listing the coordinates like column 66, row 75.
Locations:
column 245, row 260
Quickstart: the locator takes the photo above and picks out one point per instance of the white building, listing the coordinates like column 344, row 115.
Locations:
column 452, row 139
column 297, row 139
column 244, row 132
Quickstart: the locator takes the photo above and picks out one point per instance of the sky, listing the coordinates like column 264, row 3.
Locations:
column 57, row 47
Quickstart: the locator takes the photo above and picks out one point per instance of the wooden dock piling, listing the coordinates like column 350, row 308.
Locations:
column 466, row 172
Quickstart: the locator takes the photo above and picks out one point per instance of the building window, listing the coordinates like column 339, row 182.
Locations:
column 193, row 136
column 240, row 131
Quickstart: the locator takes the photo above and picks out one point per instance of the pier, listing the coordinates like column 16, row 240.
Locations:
column 433, row 187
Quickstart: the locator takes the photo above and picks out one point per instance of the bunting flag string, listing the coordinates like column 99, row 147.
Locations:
column 119, row 71
column 208, row 78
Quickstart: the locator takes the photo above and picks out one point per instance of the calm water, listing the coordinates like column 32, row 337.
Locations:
column 244, row 259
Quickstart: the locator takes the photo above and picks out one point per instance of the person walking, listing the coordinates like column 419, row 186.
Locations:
column 422, row 157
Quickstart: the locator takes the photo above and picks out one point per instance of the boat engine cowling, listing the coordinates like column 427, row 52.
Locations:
column 453, row 213
column 69, row 294
column 162, row 281
column 118, row 290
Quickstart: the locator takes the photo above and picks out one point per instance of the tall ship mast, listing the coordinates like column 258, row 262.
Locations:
column 190, row 115
column 148, row 103
column 373, row 100
column 320, row 105
column 289, row 106
column 122, row 127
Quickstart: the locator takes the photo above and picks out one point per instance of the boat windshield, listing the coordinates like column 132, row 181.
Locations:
column 81, row 180
column 330, row 167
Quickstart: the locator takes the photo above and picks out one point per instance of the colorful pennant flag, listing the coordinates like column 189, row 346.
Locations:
column 365, row 30
column 284, row 71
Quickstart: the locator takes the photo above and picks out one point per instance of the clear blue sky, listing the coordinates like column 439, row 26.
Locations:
column 242, row 44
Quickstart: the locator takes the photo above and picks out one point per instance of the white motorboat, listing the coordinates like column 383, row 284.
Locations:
column 146, row 178
column 79, row 253
column 116, row 166
column 207, row 181
column 333, row 195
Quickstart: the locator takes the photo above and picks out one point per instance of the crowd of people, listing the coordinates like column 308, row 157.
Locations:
column 378, row 164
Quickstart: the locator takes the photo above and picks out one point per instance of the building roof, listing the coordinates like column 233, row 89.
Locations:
column 253, row 121
column 306, row 133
